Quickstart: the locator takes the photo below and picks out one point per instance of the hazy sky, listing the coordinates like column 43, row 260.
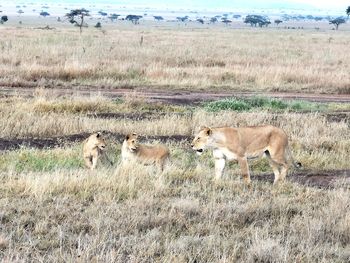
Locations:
column 211, row 3
column 325, row 4
column 338, row 5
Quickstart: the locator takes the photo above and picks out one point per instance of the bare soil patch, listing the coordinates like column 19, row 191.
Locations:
column 338, row 117
column 319, row 179
column 41, row 143
column 177, row 97
column 136, row 116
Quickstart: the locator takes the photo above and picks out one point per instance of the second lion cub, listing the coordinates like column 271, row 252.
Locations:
column 133, row 151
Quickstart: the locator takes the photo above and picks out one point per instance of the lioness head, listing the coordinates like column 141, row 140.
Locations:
column 97, row 141
column 132, row 141
column 201, row 141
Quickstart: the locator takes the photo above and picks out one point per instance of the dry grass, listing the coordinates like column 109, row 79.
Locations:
column 180, row 215
column 53, row 210
column 221, row 58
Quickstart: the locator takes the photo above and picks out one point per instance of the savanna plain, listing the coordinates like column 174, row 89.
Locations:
column 53, row 209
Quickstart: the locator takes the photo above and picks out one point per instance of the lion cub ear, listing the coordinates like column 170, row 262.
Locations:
column 127, row 137
column 98, row 134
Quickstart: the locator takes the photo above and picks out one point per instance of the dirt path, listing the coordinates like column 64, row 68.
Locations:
column 60, row 141
column 319, row 179
column 173, row 97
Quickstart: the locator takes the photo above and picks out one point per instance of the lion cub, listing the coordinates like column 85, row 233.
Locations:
column 93, row 149
column 145, row 154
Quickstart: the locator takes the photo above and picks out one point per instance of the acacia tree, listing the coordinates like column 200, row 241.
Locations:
column 278, row 21
column 337, row 22
column 77, row 16
column 254, row 20
column 113, row 17
column 348, row 11
column 3, row 19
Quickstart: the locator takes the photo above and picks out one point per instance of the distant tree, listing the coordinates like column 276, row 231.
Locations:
column 102, row 13
column 3, row 19
column 98, row 25
column 77, row 17
column 255, row 20
column 200, row 20
column 338, row 21
column 20, row 11
column 158, row 18
column 348, row 11
column 318, row 18
column 225, row 21
column 44, row 13
column 182, row 18
column 236, row 16
column 113, row 17
column 278, row 21
column 133, row 18
column 213, row 20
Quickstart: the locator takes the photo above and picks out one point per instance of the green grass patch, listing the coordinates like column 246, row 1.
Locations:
column 41, row 160
column 246, row 104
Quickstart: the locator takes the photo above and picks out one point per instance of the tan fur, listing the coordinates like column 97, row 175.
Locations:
column 93, row 149
column 132, row 150
column 244, row 143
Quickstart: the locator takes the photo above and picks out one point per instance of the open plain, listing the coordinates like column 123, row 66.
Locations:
column 58, row 86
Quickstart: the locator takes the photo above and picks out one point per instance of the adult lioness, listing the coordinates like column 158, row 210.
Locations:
column 132, row 150
column 244, row 143
column 93, row 149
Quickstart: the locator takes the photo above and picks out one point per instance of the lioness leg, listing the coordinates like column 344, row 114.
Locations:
column 219, row 167
column 219, row 163
column 284, row 171
column 88, row 161
column 243, row 163
column 161, row 164
column 279, row 159
column 94, row 162
column 275, row 168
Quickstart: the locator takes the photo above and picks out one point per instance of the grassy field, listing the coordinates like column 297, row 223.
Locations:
column 52, row 209
column 212, row 58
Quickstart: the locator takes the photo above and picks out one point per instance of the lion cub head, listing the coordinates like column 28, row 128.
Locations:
column 201, row 140
column 96, row 141
column 132, row 142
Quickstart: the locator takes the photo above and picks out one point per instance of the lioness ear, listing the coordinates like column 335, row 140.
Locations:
column 98, row 135
column 208, row 131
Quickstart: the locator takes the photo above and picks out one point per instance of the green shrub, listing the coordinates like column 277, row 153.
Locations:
column 246, row 104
